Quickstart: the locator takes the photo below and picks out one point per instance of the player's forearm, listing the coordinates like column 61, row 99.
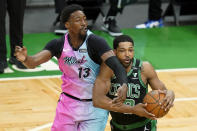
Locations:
column 37, row 59
column 100, row 99
column 106, row 103
column 30, row 62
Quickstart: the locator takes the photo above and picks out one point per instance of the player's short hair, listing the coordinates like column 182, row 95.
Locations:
column 68, row 10
column 122, row 38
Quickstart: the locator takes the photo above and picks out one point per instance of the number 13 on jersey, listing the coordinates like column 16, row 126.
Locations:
column 84, row 72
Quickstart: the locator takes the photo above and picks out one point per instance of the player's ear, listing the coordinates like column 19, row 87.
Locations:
column 67, row 25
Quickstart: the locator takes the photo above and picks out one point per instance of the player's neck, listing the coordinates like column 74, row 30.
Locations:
column 75, row 41
column 129, row 67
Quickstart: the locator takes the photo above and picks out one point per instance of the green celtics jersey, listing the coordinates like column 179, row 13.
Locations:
column 135, row 94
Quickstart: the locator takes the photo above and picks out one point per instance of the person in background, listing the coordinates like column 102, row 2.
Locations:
column 79, row 53
column 60, row 28
column 109, row 21
column 154, row 15
column 15, row 10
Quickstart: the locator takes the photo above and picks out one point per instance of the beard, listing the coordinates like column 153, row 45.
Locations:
column 82, row 35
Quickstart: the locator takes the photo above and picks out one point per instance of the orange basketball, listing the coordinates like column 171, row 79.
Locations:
column 153, row 98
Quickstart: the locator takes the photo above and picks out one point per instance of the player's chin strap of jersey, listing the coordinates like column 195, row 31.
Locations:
column 118, row 69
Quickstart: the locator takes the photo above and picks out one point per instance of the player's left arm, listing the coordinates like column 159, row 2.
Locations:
column 156, row 84
column 101, row 88
column 102, row 49
column 114, row 64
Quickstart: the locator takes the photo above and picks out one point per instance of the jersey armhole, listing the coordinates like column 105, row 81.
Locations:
column 140, row 77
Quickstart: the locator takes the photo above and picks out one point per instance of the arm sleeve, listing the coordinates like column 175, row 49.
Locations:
column 55, row 47
column 118, row 69
column 100, row 46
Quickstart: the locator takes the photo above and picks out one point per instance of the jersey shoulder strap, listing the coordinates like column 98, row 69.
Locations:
column 137, row 65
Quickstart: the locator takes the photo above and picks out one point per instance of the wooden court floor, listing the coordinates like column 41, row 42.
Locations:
column 29, row 104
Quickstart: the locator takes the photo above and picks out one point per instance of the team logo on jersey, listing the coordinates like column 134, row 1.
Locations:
column 73, row 60
column 82, row 50
column 134, row 74
column 133, row 90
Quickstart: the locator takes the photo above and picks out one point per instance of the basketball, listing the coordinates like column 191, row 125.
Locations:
column 153, row 98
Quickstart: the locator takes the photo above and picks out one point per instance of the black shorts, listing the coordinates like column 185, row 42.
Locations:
column 150, row 126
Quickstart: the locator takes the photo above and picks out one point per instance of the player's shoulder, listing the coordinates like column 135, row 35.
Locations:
column 96, row 38
column 148, row 71
column 146, row 63
column 146, row 66
column 57, row 40
column 60, row 40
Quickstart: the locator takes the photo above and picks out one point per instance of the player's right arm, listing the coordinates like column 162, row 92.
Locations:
column 101, row 100
column 52, row 48
column 32, row 61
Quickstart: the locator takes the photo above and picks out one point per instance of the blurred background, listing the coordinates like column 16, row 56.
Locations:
column 40, row 15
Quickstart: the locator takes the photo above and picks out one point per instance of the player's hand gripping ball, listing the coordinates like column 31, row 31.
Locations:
column 153, row 98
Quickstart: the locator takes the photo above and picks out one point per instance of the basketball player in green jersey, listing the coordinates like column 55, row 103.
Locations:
column 130, row 116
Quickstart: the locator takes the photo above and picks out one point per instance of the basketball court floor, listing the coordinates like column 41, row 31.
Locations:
column 28, row 98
